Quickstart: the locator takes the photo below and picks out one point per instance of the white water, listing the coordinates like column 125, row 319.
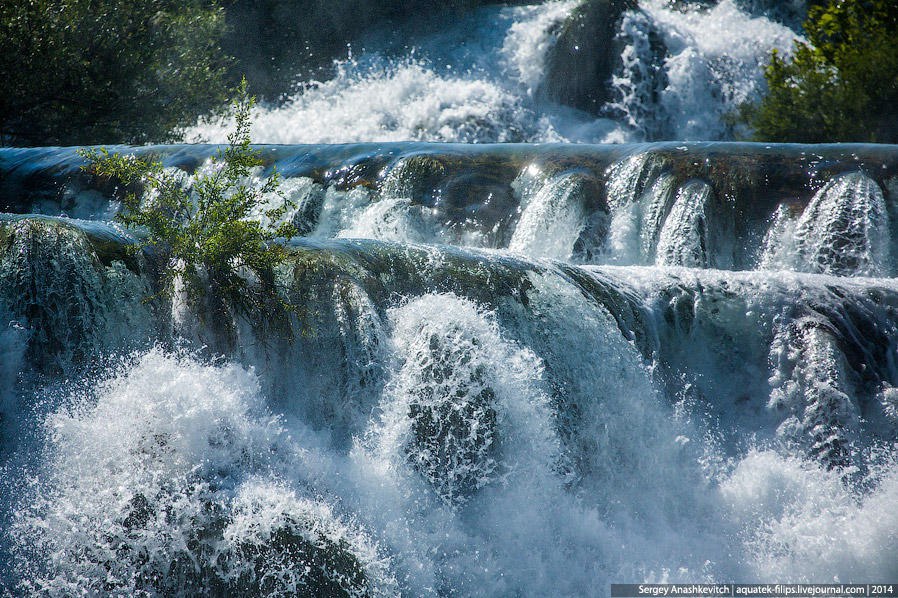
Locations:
column 428, row 444
column 716, row 62
column 478, row 83
column 510, row 496
column 683, row 240
column 452, row 421
column 552, row 218
column 844, row 230
column 135, row 469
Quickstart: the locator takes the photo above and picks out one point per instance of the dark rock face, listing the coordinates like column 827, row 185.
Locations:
column 582, row 61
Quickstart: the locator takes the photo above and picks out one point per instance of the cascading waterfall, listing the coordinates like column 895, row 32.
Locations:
column 683, row 240
column 552, row 218
column 714, row 62
column 844, row 230
column 515, row 370
column 678, row 73
column 810, row 382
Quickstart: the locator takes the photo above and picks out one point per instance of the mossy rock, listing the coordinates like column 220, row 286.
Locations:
column 80, row 292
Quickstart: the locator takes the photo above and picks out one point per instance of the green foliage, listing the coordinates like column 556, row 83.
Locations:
column 205, row 232
column 840, row 86
column 107, row 71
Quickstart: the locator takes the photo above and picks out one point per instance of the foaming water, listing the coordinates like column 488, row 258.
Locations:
column 392, row 102
column 680, row 75
column 525, row 448
column 172, row 477
column 439, row 98
column 804, row 523
column 844, row 230
column 715, row 61
column 516, row 370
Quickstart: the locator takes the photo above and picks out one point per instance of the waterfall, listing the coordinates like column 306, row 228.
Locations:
column 683, row 240
column 810, row 382
column 678, row 72
column 844, row 230
column 511, row 370
column 553, row 217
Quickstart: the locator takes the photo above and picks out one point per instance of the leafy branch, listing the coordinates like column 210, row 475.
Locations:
column 207, row 230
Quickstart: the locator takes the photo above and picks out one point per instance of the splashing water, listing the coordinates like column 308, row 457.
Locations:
column 681, row 74
column 715, row 62
column 844, row 230
column 507, row 420
column 450, row 413
column 167, row 480
column 554, row 215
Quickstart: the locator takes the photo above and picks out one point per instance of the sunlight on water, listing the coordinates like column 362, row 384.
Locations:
column 707, row 64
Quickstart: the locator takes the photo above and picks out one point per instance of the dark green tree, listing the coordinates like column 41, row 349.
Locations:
column 107, row 71
column 840, row 86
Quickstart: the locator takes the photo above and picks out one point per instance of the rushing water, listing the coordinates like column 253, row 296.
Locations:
column 518, row 370
column 678, row 73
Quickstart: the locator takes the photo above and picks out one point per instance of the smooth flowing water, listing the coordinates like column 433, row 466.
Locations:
column 519, row 370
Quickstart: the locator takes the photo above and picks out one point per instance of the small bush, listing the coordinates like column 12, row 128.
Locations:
column 204, row 232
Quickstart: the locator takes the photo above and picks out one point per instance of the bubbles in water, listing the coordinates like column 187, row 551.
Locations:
column 169, row 478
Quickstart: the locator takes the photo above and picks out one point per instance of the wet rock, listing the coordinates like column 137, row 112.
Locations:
column 580, row 65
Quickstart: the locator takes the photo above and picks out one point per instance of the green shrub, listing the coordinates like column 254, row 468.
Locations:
column 205, row 232
column 840, row 86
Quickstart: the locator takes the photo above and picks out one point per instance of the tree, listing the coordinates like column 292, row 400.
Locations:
column 107, row 71
column 840, row 86
column 208, row 233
